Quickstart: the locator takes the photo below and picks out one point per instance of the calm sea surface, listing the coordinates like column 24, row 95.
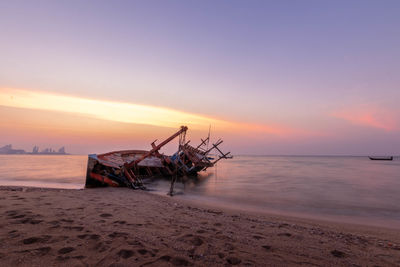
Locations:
column 346, row 189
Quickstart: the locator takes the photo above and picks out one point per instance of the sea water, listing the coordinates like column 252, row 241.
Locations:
column 345, row 189
column 53, row 171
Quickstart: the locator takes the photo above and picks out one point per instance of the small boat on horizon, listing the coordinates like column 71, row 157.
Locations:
column 381, row 158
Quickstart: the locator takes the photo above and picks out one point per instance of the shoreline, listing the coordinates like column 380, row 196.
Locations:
column 306, row 217
column 121, row 227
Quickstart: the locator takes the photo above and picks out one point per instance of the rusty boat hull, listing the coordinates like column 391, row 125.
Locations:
column 128, row 168
column 105, row 169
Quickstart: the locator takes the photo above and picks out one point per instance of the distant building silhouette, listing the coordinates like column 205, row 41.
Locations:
column 8, row 150
column 45, row 151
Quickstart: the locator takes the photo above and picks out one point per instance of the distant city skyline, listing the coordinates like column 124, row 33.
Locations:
column 270, row 77
column 9, row 150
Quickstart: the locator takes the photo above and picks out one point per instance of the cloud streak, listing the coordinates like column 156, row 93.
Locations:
column 101, row 109
column 127, row 112
column 370, row 116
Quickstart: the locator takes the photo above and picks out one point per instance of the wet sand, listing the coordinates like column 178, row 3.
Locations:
column 122, row 227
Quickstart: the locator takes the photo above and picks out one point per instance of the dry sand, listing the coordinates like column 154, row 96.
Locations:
column 122, row 227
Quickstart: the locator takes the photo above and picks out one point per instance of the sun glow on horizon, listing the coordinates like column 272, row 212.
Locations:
column 124, row 112
column 101, row 109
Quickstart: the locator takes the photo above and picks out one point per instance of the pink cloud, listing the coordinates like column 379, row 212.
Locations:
column 383, row 118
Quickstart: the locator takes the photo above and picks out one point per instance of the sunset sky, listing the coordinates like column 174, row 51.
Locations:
column 270, row 77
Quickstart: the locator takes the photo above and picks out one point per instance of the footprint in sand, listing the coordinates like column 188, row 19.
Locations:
column 192, row 239
column 118, row 234
column 285, row 234
column 135, row 243
column 177, row 261
column 63, row 258
column 13, row 234
column 229, row 246
column 41, row 251
column 338, row 253
column 79, row 257
column 53, row 222
column 37, row 251
column 165, row 258
column 30, row 220
column 100, row 247
column 60, row 238
column 125, row 254
column 197, row 241
column 76, row 228
column 142, row 251
column 11, row 213
column 233, row 260
column 18, row 216
column 65, row 250
column 267, row 248
column 67, row 220
column 89, row 236
column 94, row 237
column 32, row 240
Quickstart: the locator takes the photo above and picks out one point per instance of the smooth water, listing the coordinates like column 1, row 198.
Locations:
column 347, row 189
column 54, row 171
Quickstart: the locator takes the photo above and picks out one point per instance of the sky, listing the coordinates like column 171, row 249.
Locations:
column 269, row 77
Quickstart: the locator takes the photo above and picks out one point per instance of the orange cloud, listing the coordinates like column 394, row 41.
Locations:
column 101, row 109
column 128, row 113
column 370, row 116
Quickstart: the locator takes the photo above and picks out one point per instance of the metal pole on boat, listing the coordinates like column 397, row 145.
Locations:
column 158, row 147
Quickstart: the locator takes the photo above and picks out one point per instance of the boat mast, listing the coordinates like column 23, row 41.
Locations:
column 155, row 148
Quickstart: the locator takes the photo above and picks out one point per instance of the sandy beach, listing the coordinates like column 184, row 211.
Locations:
column 122, row 227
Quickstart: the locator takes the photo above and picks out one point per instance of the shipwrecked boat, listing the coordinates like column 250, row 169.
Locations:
column 128, row 168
